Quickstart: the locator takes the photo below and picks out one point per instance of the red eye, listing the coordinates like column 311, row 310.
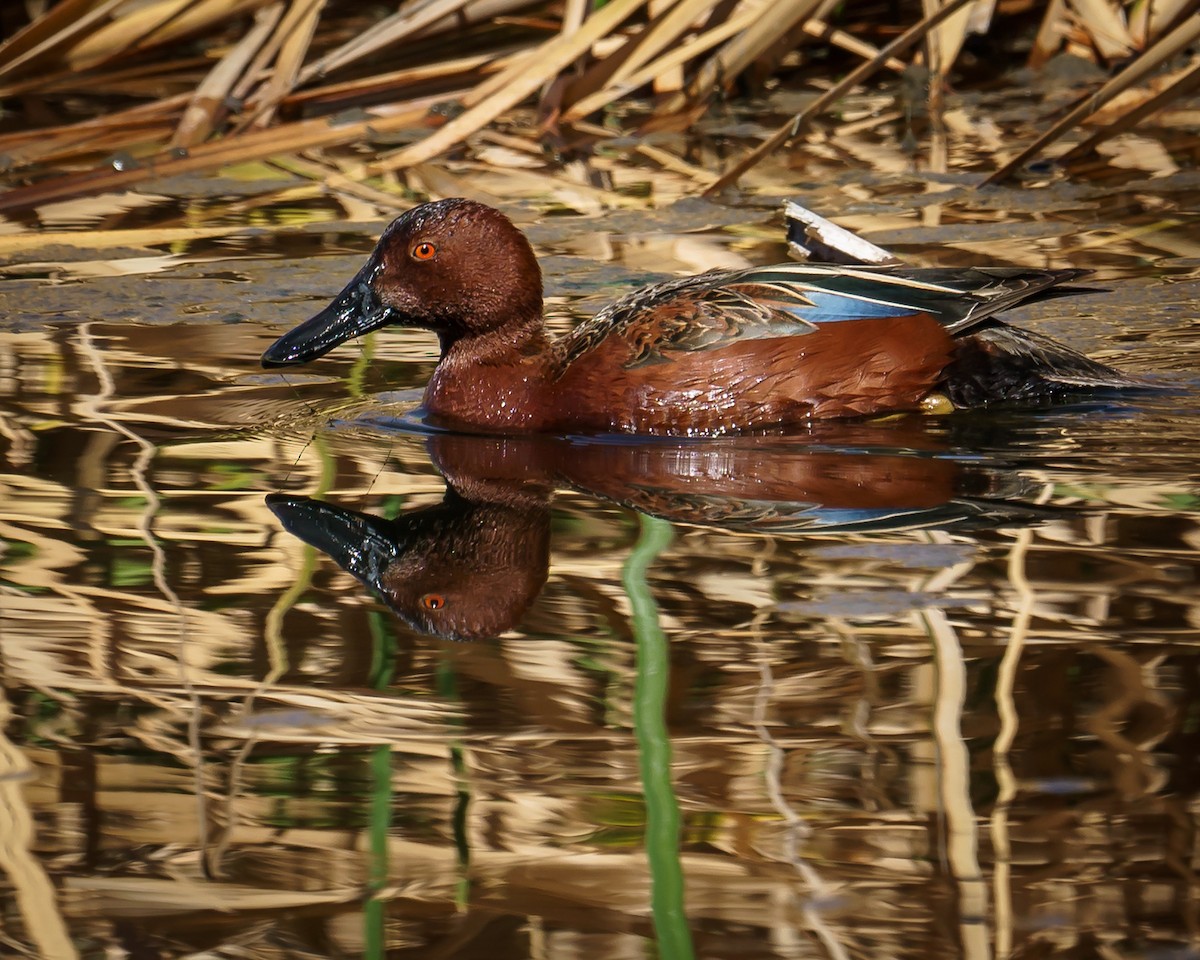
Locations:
column 424, row 250
column 433, row 601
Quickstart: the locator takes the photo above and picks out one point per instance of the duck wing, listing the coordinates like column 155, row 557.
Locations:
column 682, row 316
column 717, row 308
column 960, row 298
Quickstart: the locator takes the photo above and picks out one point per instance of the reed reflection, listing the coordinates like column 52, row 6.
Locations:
column 469, row 567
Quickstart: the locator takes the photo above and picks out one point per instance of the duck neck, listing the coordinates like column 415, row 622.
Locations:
column 493, row 380
column 517, row 343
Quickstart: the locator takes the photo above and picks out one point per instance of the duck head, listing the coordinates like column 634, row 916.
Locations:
column 456, row 267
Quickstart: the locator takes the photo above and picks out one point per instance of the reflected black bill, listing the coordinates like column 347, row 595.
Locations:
column 359, row 543
column 355, row 311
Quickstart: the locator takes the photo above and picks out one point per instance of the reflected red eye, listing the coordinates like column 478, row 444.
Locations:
column 424, row 250
column 433, row 601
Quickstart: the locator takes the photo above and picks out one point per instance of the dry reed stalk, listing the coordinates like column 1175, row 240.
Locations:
column 56, row 29
column 1162, row 51
column 297, row 29
column 340, row 182
column 260, row 66
column 793, row 127
column 1104, row 23
column 1152, row 18
column 286, row 138
column 529, row 56
column 821, row 30
column 635, row 72
column 157, row 111
column 944, row 43
column 574, row 13
column 114, row 143
column 200, row 117
column 122, row 80
column 478, row 65
column 514, row 85
column 265, row 67
column 149, row 25
column 1183, row 82
column 669, row 22
column 774, row 20
column 668, row 161
column 693, row 47
column 1049, row 35
column 107, row 239
column 122, row 34
column 405, row 23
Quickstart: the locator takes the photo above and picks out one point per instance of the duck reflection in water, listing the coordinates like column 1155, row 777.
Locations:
column 469, row 567
column 464, row 569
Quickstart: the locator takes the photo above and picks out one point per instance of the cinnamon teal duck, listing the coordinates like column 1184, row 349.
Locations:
column 725, row 351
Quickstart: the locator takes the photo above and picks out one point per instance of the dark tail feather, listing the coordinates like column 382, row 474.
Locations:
column 991, row 290
column 1002, row 363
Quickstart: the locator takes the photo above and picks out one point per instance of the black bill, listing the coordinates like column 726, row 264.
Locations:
column 359, row 543
column 355, row 311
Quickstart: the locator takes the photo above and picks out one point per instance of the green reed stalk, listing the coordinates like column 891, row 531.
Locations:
column 654, row 747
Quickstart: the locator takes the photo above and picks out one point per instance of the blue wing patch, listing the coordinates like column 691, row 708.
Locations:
column 835, row 308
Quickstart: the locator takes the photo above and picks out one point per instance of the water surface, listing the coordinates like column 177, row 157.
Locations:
column 925, row 687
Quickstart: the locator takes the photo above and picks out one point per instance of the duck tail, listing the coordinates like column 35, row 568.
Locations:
column 1002, row 363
